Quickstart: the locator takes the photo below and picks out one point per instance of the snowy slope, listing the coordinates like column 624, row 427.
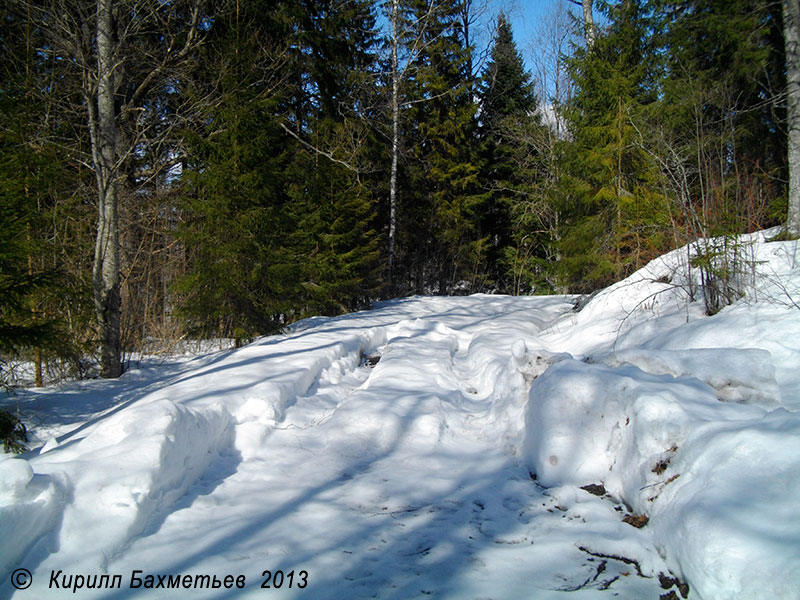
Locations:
column 438, row 447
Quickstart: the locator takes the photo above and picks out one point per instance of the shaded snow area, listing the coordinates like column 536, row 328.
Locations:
column 474, row 447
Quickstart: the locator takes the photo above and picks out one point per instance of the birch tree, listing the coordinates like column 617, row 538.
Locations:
column 411, row 32
column 791, row 27
column 588, row 21
column 124, row 58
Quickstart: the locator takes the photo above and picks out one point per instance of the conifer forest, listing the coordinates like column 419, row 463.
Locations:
column 182, row 169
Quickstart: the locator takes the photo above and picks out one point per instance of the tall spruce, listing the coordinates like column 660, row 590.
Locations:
column 279, row 221
column 438, row 226
column 509, row 124
column 418, row 30
column 335, row 243
column 46, row 239
column 608, row 198
column 239, row 278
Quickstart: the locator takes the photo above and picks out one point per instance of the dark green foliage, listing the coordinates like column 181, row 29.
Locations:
column 18, row 327
column 24, row 174
column 13, row 433
column 277, row 223
column 238, row 275
column 505, row 89
column 722, row 99
column 334, row 245
column 608, row 176
column 510, row 128
column 279, row 210
column 439, row 231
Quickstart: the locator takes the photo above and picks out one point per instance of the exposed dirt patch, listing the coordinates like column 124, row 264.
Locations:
column 637, row 521
column 670, row 581
column 596, row 489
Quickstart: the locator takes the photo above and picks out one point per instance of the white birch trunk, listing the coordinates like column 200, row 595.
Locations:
column 588, row 23
column 791, row 28
column 395, row 137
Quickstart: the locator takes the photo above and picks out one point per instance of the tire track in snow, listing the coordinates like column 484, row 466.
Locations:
column 394, row 482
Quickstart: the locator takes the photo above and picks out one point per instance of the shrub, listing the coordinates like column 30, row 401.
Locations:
column 12, row 432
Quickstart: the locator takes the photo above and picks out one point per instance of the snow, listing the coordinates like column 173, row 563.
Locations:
column 471, row 447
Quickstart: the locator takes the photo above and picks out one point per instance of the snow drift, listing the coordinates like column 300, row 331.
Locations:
column 388, row 453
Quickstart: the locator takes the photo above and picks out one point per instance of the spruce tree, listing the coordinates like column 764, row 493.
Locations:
column 37, row 282
column 332, row 210
column 279, row 223
column 509, row 125
column 439, row 223
column 722, row 102
column 240, row 279
column 609, row 201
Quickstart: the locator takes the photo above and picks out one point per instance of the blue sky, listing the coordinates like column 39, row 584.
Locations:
column 525, row 16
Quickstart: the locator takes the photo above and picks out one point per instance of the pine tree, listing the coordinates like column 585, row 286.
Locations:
column 239, row 281
column 18, row 327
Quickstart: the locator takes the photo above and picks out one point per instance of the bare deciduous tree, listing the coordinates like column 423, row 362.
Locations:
column 124, row 57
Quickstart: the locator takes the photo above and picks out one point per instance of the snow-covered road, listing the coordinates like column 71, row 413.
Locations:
column 431, row 447
column 393, row 481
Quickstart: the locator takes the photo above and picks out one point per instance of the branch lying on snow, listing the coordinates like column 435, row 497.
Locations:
column 627, row 561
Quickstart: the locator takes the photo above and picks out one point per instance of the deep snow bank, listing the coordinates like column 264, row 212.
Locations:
column 30, row 506
column 690, row 420
column 681, row 417
column 126, row 472
column 718, row 481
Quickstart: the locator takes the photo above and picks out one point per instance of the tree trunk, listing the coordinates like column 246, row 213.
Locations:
column 588, row 23
column 103, row 126
column 395, row 138
column 791, row 28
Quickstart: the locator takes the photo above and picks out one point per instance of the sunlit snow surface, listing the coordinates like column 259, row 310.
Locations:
column 412, row 477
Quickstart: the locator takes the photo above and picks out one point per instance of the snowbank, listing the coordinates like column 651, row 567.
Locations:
column 737, row 375
column 30, row 507
column 718, row 481
column 668, row 411
column 125, row 473
column 408, row 475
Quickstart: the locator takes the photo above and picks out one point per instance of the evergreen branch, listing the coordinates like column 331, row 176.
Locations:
column 321, row 152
